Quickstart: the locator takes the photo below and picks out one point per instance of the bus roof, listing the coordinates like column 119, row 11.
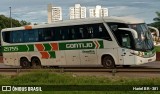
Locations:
column 127, row 20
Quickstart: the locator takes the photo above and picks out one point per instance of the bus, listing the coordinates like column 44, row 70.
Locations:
column 107, row 41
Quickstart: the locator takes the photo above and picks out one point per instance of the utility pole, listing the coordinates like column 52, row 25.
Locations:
column 10, row 16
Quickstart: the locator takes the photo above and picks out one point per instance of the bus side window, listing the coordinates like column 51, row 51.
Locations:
column 20, row 34
column 40, row 35
column 36, row 35
column 81, row 34
column 26, row 36
column 17, row 36
column 6, row 38
column 64, row 33
column 103, row 33
column 14, row 35
column 52, row 34
column 57, row 34
column 90, row 32
column 74, row 33
column 86, row 32
column 31, row 36
column 47, row 34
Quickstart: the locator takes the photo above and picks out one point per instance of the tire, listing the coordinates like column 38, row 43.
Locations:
column 24, row 63
column 36, row 63
column 108, row 62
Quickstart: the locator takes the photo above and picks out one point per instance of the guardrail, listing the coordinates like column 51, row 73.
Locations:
column 62, row 70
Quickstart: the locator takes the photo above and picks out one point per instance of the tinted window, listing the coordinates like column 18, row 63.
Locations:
column 88, row 32
column 6, row 37
column 17, row 36
column 124, row 38
column 75, row 32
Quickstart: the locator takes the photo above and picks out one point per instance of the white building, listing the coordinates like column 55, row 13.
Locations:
column 98, row 12
column 77, row 12
column 54, row 13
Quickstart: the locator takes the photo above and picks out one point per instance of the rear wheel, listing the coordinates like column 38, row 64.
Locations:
column 108, row 62
column 36, row 63
column 24, row 63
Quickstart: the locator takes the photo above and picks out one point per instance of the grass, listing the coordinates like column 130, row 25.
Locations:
column 157, row 48
column 46, row 78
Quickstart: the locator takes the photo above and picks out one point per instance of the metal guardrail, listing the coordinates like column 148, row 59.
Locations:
column 62, row 70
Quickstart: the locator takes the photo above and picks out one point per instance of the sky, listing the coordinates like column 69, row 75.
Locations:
column 35, row 11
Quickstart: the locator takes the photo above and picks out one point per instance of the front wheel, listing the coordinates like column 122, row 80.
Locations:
column 108, row 62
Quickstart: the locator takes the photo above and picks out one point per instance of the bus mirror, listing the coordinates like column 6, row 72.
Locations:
column 131, row 30
column 155, row 29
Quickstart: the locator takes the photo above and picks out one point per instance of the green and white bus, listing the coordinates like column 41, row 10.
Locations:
column 107, row 41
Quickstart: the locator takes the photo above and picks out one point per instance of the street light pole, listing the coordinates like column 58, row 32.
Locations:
column 10, row 16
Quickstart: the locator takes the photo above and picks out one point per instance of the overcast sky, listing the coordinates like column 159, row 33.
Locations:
column 35, row 11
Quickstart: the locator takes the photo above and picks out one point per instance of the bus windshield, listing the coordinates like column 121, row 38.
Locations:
column 145, row 40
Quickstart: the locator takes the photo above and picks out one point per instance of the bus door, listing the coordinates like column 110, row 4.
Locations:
column 125, row 51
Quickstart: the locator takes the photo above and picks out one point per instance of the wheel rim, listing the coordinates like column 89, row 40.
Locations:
column 36, row 63
column 108, row 63
column 25, row 63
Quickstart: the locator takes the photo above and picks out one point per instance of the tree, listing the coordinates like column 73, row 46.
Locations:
column 24, row 23
column 157, row 21
column 35, row 24
column 5, row 22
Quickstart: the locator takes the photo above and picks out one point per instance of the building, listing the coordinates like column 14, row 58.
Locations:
column 98, row 12
column 49, row 13
column 54, row 13
column 77, row 12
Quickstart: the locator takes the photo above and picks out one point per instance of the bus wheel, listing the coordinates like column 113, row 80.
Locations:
column 24, row 63
column 36, row 63
column 108, row 62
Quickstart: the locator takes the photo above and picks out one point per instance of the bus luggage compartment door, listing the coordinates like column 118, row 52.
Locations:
column 88, row 57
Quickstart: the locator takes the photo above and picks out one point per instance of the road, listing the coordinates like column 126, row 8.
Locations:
column 106, row 74
column 148, row 65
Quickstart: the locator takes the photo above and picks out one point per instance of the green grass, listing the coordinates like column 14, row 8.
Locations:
column 157, row 48
column 46, row 78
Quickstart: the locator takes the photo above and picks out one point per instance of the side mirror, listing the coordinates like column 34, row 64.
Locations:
column 131, row 30
column 155, row 29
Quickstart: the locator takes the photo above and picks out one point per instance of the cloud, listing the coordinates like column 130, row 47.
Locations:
column 140, row 2
column 36, row 10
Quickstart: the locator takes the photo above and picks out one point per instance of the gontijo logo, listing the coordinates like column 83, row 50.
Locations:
column 79, row 45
